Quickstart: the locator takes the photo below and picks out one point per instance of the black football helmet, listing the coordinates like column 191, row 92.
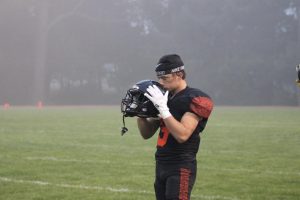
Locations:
column 135, row 103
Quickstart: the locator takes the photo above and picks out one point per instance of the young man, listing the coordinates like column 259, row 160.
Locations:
column 184, row 112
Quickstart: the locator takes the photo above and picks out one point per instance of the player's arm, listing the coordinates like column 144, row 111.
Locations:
column 147, row 126
column 182, row 130
column 201, row 107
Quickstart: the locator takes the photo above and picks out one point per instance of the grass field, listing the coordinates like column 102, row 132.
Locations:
column 78, row 153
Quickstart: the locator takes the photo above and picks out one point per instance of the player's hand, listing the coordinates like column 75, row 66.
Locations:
column 159, row 100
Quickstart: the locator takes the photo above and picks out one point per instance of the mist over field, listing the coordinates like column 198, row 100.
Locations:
column 72, row 52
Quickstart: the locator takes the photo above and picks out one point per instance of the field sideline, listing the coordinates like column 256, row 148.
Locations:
column 246, row 153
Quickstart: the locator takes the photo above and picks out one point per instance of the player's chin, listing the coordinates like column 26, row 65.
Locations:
column 167, row 88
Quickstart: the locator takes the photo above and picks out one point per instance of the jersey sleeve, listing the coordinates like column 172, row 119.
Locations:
column 201, row 106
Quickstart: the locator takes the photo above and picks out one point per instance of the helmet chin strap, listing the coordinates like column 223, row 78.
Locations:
column 124, row 129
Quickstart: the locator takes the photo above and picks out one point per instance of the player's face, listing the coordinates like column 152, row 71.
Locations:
column 169, row 81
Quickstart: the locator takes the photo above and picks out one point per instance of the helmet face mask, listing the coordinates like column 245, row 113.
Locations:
column 135, row 103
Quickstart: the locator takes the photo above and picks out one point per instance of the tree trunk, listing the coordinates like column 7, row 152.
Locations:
column 41, row 53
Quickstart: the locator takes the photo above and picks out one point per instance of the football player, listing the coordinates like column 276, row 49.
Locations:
column 183, row 114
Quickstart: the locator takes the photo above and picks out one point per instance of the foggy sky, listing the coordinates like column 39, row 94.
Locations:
column 240, row 52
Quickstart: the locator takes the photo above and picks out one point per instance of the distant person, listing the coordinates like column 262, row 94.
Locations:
column 298, row 72
column 183, row 112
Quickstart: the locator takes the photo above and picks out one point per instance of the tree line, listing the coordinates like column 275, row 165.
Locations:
column 91, row 52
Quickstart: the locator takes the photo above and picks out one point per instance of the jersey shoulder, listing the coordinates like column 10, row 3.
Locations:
column 200, row 103
column 195, row 92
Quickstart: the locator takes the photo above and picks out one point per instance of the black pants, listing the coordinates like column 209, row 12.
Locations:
column 175, row 181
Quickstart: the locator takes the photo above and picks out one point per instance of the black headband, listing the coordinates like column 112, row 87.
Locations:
column 164, row 72
column 169, row 64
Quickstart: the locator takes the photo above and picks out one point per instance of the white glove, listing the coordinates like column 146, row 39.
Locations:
column 159, row 100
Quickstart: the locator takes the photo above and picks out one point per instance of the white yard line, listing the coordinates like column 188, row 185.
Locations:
column 64, row 185
column 107, row 188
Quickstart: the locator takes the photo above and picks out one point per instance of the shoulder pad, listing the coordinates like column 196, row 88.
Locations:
column 202, row 106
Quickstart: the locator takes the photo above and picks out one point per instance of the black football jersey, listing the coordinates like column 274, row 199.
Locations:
column 188, row 100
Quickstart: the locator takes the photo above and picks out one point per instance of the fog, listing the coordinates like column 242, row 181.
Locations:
column 72, row 52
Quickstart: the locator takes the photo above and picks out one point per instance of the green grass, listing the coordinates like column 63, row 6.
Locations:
column 78, row 153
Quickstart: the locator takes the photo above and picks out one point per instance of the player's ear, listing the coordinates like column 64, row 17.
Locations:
column 180, row 74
